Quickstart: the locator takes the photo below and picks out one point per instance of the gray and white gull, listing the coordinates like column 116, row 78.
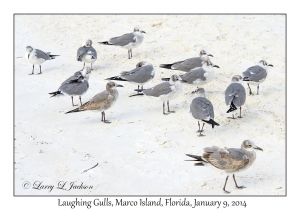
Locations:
column 36, row 56
column 166, row 91
column 143, row 73
column 127, row 41
column 188, row 64
column 199, row 75
column 202, row 109
column 230, row 160
column 76, row 85
column 235, row 95
column 86, row 53
column 102, row 101
column 256, row 74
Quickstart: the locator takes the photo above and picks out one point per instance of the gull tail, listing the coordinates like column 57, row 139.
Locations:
column 116, row 78
column 197, row 158
column 166, row 66
column 212, row 122
column 55, row 93
column 75, row 110
column 165, row 79
column 105, row 43
column 232, row 107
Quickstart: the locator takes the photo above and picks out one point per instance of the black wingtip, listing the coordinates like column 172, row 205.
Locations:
column 116, row 78
column 246, row 79
column 212, row 122
column 165, row 79
column 166, row 66
column 232, row 107
column 105, row 43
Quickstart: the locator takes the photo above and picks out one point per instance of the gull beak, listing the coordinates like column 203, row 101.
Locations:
column 119, row 85
column 143, row 32
column 270, row 65
column 216, row 66
column 258, row 148
column 210, row 55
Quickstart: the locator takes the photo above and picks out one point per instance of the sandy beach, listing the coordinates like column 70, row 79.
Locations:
column 142, row 152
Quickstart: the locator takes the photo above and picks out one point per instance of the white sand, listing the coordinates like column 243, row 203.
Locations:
column 142, row 152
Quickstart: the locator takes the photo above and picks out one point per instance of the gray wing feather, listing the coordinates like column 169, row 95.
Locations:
column 82, row 50
column 139, row 74
column 158, row 90
column 202, row 109
column 41, row 54
column 194, row 74
column 188, row 64
column 123, row 40
column 255, row 73
column 237, row 93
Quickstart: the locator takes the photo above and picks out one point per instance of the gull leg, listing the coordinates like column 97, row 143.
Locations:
column 138, row 92
column 83, row 64
column 169, row 108
column 240, row 112
column 250, row 92
column 80, row 100
column 73, row 102
column 257, row 89
column 240, row 187
column 40, row 69
column 32, row 70
column 225, row 185
column 103, row 116
column 201, row 129
column 92, row 66
column 128, row 54
column 164, row 109
column 232, row 117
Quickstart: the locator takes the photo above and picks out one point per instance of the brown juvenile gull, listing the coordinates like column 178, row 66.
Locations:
column 76, row 85
column 231, row 160
column 188, row 64
column 166, row 91
column 202, row 109
column 102, row 101
column 256, row 74
column 235, row 95
column 36, row 56
column 128, row 41
column 143, row 73
column 86, row 53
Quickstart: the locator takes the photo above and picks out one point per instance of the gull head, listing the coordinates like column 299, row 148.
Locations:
column 87, row 43
column 174, row 78
column 199, row 92
column 236, row 78
column 29, row 49
column 264, row 63
column 250, row 145
column 112, row 85
column 203, row 53
column 142, row 63
column 138, row 29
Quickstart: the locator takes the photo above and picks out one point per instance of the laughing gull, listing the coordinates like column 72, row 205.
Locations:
column 188, row 64
column 86, row 53
column 76, row 85
column 36, row 56
column 231, row 160
column 166, row 91
column 143, row 73
column 202, row 109
column 128, row 41
column 200, row 75
column 235, row 95
column 256, row 74
column 102, row 101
